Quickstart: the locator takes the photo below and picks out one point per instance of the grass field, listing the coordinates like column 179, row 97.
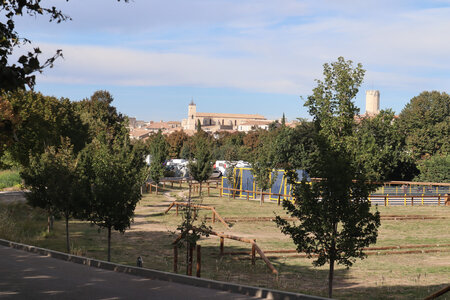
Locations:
column 396, row 276
column 9, row 179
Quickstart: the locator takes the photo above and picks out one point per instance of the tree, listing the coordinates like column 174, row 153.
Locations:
column 22, row 73
column 36, row 122
column 202, row 166
column 262, row 163
column 101, row 117
column 54, row 184
column 158, row 153
column 335, row 222
column 380, row 147
column 176, row 140
column 435, row 169
column 425, row 122
column 113, row 174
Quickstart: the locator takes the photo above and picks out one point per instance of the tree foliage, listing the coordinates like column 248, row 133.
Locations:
column 21, row 73
column 202, row 166
column 335, row 222
column 53, row 181
column 113, row 175
column 380, row 147
column 158, row 153
column 31, row 122
column 425, row 123
column 435, row 169
column 262, row 163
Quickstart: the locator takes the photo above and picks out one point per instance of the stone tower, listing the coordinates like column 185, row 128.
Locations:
column 372, row 102
column 192, row 110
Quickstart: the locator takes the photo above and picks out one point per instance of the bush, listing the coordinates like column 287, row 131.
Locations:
column 9, row 178
column 21, row 223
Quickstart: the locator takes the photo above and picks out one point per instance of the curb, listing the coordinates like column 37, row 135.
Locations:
column 165, row 276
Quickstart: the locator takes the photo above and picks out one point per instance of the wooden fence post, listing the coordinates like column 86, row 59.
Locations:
column 175, row 259
column 220, row 192
column 412, row 200
column 171, row 184
column 213, row 217
column 177, row 210
column 439, row 200
column 279, row 197
column 248, row 194
column 221, row 245
column 156, row 189
column 208, row 190
column 199, row 260
column 150, row 188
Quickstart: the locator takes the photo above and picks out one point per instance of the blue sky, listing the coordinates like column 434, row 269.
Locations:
column 246, row 56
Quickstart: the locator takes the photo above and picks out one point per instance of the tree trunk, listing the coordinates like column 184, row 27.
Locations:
column 332, row 260
column 67, row 234
column 48, row 223
column 109, row 243
column 261, row 199
column 330, row 278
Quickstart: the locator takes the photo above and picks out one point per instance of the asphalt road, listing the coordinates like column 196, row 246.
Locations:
column 25, row 275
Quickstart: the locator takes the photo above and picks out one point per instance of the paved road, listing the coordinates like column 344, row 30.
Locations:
column 25, row 275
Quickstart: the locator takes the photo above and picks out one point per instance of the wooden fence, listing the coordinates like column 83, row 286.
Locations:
column 211, row 208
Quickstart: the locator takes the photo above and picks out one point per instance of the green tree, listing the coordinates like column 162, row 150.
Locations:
column 435, row 169
column 158, row 154
column 21, row 73
column 113, row 174
column 202, row 166
column 101, row 117
column 262, row 162
column 380, row 147
column 54, row 184
column 425, row 122
column 335, row 222
column 36, row 122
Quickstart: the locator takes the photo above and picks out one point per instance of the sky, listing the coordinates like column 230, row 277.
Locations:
column 239, row 56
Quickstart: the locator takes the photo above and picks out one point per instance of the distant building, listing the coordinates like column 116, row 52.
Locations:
column 163, row 126
column 212, row 122
column 372, row 102
column 139, row 133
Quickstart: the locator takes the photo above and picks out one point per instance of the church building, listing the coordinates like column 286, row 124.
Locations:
column 217, row 121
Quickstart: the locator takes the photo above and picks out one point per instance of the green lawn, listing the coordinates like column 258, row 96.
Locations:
column 400, row 276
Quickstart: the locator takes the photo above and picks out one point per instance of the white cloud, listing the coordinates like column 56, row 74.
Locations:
column 256, row 48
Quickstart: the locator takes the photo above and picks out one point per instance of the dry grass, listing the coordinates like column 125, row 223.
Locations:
column 377, row 277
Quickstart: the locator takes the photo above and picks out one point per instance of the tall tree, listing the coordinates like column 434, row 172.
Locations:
column 262, row 162
column 202, row 166
column 54, row 184
column 380, row 147
column 102, row 117
column 38, row 121
column 176, row 140
column 158, row 153
column 113, row 174
column 425, row 122
column 334, row 213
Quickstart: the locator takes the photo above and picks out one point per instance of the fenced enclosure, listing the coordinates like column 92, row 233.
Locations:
column 244, row 185
column 392, row 193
